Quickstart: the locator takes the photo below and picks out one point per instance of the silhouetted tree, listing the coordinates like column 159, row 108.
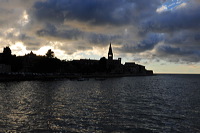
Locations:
column 50, row 53
column 7, row 57
column 7, row 51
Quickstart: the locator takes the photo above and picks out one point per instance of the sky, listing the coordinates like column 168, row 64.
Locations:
column 163, row 35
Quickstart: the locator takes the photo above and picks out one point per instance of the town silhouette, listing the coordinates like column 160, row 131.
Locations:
column 32, row 66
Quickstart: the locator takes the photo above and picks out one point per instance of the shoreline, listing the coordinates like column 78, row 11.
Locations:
column 58, row 76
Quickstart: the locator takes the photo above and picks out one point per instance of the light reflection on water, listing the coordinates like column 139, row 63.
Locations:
column 163, row 103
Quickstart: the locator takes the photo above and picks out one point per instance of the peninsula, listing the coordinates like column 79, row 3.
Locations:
column 34, row 67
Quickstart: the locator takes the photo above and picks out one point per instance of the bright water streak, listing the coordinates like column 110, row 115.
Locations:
column 162, row 103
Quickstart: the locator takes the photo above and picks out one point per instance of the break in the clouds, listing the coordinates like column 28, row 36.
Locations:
column 162, row 29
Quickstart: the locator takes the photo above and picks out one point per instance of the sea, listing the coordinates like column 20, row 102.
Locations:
column 164, row 103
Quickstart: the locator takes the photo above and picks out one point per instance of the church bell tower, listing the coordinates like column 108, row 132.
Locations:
column 110, row 53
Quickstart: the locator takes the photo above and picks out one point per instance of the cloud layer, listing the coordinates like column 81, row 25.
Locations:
column 135, row 27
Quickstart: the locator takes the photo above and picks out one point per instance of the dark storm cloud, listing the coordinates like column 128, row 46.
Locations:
column 98, row 12
column 102, row 38
column 187, row 18
column 24, row 37
column 176, row 54
column 182, row 38
column 144, row 45
column 51, row 31
column 180, row 28
column 31, row 43
column 173, row 22
column 174, row 51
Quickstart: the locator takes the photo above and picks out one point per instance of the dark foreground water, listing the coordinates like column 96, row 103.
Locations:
column 162, row 103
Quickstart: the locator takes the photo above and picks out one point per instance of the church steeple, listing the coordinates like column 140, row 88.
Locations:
column 110, row 53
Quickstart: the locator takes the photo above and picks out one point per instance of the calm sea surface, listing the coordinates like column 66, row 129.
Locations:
column 162, row 103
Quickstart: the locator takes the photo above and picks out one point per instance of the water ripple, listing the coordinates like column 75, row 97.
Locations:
column 163, row 103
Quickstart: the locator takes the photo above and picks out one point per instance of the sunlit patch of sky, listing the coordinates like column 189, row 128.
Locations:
column 171, row 4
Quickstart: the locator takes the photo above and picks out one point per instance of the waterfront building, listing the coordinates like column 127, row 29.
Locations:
column 113, row 65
